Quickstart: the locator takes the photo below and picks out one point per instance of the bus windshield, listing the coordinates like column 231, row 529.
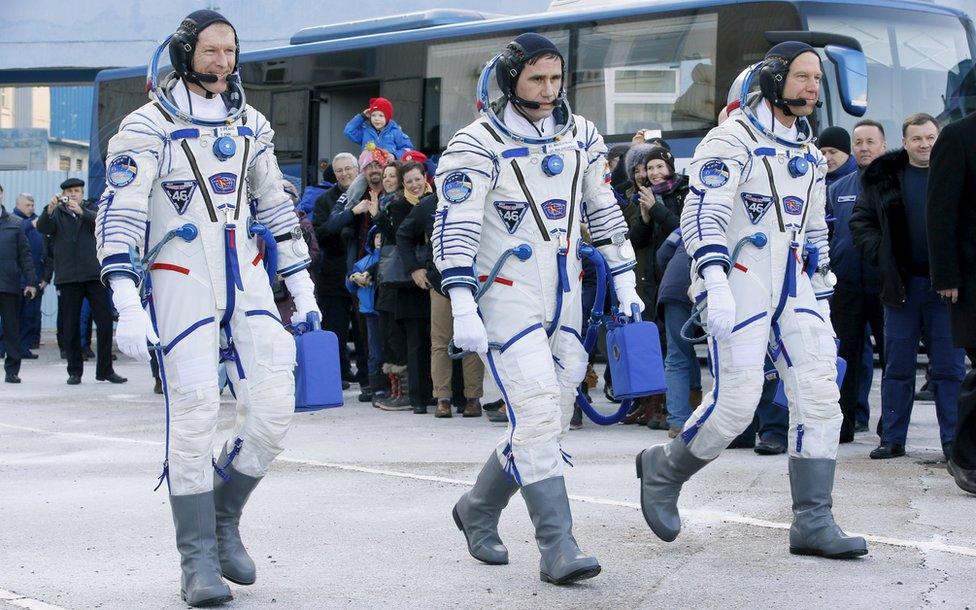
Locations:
column 917, row 62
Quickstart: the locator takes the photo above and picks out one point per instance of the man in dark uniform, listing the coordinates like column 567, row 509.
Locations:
column 951, row 221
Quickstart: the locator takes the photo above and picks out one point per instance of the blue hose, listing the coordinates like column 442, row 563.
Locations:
column 523, row 252
column 597, row 317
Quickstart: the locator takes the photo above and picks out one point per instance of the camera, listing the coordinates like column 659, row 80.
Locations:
column 63, row 200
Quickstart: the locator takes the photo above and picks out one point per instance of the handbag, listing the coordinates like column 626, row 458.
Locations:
column 391, row 269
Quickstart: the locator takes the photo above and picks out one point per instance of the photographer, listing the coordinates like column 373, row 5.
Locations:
column 70, row 224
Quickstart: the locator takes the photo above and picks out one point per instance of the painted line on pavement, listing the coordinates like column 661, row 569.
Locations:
column 21, row 601
column 696, row 515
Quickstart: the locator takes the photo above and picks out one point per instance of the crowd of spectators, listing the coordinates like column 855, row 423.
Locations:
column 368, row 223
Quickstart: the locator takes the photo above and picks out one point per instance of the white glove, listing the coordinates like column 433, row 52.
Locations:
column 469, row 329
column 302, row 290
column 721, row 305
column 824, row 306
column 626, row 297
column 135, row 328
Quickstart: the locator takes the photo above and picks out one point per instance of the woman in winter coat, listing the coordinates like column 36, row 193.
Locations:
column 412, row 300
column 659, row 202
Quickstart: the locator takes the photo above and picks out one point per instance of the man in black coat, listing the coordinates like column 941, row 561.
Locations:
column 888, row 226
column 70, row 224
column 334, row 300
column 15, row 260
column 951, row 215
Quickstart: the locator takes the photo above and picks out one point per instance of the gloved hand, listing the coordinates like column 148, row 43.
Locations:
column 626, row 297
column 721, row 305
column 823, row 305
column 469, row 329
column 303, row 292
column 625, row 285
column 135, row 328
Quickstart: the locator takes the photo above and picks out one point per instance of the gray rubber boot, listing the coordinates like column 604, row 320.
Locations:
column 476, row 513
column 229, row 500
column 814, row 531
column 663, row 469
column 562, row 562
column 200, row 583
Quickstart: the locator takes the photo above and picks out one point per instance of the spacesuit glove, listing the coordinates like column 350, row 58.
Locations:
column 303, row 292
column 625, row 286
column 469, row 329
column 721, row 305
column 626, row 298
column 823, row 305
column 135, row 329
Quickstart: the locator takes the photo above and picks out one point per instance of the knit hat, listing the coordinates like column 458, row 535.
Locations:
column 835, row 137
column 372, row 153
column 659, row 152
column 383, row 105
column 637, row 155
column 413, row 155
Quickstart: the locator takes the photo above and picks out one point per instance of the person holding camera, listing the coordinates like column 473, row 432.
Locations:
column 70, row 224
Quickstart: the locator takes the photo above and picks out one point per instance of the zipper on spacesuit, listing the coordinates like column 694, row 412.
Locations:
column 203, row 185
column 772, row 188
column 240, row 189
column 528, row 197
column 572, row 198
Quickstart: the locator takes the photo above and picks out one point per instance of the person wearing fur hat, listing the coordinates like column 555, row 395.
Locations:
column 375, row 125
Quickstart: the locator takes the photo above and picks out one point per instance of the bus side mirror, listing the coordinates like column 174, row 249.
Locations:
column 852, row 78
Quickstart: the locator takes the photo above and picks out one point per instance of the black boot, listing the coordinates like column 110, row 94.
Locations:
column 476, row 513
column 200, row 582
column 562, row 562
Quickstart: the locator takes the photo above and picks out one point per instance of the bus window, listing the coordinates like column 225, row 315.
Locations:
column 289, row 114
column 917, row 62
column 453, row 69
column 651, row 74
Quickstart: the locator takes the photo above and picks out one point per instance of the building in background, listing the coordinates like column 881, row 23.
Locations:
column 45, row 128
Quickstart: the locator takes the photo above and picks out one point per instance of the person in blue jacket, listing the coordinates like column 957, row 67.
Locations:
column 376, row 125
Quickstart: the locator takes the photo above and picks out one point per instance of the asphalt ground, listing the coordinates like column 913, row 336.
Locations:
column 356, row 514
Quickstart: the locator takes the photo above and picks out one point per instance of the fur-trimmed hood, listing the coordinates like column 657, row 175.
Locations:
column 884, row 170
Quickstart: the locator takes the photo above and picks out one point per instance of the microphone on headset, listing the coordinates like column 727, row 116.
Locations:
column 206, row 78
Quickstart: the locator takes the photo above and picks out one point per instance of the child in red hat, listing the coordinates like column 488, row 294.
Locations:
column 375, row 124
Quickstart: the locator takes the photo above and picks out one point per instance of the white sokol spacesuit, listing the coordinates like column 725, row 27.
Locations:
column 756, row 204
column 210, row 301
column 496, row 193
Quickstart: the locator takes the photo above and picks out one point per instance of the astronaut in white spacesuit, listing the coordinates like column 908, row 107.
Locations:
column 757, row 191
column 196, row 155
column 520, row 174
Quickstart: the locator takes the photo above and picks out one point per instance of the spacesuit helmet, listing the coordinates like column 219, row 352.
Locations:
column 774, row 70
column 521, row 51
column 183, row 44
column 507, row 67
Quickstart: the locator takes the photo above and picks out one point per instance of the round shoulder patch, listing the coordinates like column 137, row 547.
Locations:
column 121, row 171
column 457, row 187
column 714, row 173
